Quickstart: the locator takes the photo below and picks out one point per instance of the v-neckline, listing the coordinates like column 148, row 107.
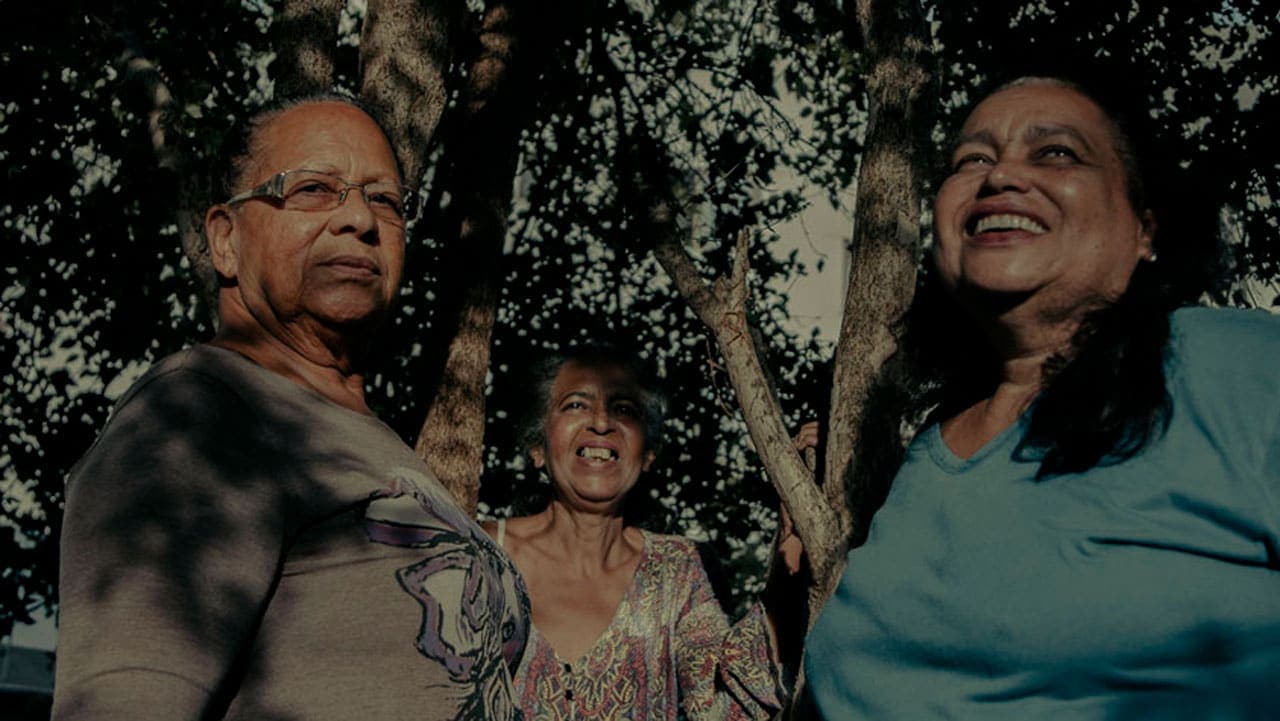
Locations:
column 617, row 612
column 952, row 462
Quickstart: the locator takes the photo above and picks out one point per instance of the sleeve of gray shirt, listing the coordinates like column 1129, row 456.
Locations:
column 171, row 545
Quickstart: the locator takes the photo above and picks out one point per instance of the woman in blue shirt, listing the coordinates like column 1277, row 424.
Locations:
column 1089, row 525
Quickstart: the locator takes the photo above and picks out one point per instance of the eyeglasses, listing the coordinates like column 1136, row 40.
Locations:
column 316, row 190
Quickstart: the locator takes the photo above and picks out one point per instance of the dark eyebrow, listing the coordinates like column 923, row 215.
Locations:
column 1040, row 132
column 576, row 394
column 1034, row 133
column 983, row 137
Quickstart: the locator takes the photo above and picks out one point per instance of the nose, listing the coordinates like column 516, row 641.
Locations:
column 1005, row 176
column 601, row 420
column 353, row 215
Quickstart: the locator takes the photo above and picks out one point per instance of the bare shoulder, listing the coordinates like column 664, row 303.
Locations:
column 524, row 526
column 635, row 537
column 518, row 534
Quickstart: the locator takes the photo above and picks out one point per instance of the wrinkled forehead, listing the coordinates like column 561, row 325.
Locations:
column 605, row 378
column 324, row 135
column 1033, row 107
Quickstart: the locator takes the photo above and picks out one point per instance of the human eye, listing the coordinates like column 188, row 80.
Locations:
column 311, row 190
column 628, row 409
column 388, row 199
column 1057, row 154
column 969, row 160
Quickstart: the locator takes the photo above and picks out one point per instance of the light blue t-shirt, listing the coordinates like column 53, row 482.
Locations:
column 1148, row 589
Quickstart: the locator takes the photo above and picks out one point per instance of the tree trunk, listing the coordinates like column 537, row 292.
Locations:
column 405, row 53
column 886, row 249
column 881, row 284
column 306, row 35
column 886, row 242
column 480, row 167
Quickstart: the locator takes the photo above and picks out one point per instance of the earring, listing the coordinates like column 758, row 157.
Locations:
column 1151, row 257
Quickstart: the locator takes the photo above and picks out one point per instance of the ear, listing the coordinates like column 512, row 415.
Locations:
column 648, row 460
column 220, row 233
column 1147, row 235
column 539, row 456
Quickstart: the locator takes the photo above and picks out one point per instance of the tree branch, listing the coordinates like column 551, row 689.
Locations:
column 147, row 95
column 722, row 306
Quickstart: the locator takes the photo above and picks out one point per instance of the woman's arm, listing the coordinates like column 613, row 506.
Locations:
column 723, row 672
column 170, row 547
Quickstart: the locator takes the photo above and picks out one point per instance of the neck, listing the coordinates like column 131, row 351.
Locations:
column 321, row 361
column 593, row 541
column 1022, row 340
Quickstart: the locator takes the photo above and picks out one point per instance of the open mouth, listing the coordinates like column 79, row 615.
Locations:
column 597, row 453
column 1002, row 223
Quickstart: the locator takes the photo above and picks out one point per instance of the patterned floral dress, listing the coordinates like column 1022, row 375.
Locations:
column 668, row 651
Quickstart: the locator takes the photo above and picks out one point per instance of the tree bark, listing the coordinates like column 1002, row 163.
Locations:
column 405, row 53
column 306, row 35
column 886, row 242
column 480, row 167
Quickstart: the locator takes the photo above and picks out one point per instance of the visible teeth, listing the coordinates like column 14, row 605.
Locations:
column 602, row 454
column 1008, row 222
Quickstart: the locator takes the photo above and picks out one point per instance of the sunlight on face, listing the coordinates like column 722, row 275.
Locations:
column 1037, row 201
column 596, row 447
column 335, row 268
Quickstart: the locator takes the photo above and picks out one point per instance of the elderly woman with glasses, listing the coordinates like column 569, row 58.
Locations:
column 246, row 540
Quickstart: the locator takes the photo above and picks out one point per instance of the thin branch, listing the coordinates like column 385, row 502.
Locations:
column 689, row 283
column 722, row 306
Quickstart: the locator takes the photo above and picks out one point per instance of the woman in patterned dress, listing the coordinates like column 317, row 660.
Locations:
column 626, row 624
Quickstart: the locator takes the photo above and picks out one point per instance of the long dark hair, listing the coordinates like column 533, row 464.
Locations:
column 1104, row 399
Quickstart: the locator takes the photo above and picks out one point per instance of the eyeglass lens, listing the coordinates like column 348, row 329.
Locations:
column 310, row 190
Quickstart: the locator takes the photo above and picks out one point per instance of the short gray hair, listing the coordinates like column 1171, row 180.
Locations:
column 531, row 428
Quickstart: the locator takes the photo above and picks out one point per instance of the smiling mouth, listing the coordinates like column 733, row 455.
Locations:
column 1004, row 222
column 597, row 453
